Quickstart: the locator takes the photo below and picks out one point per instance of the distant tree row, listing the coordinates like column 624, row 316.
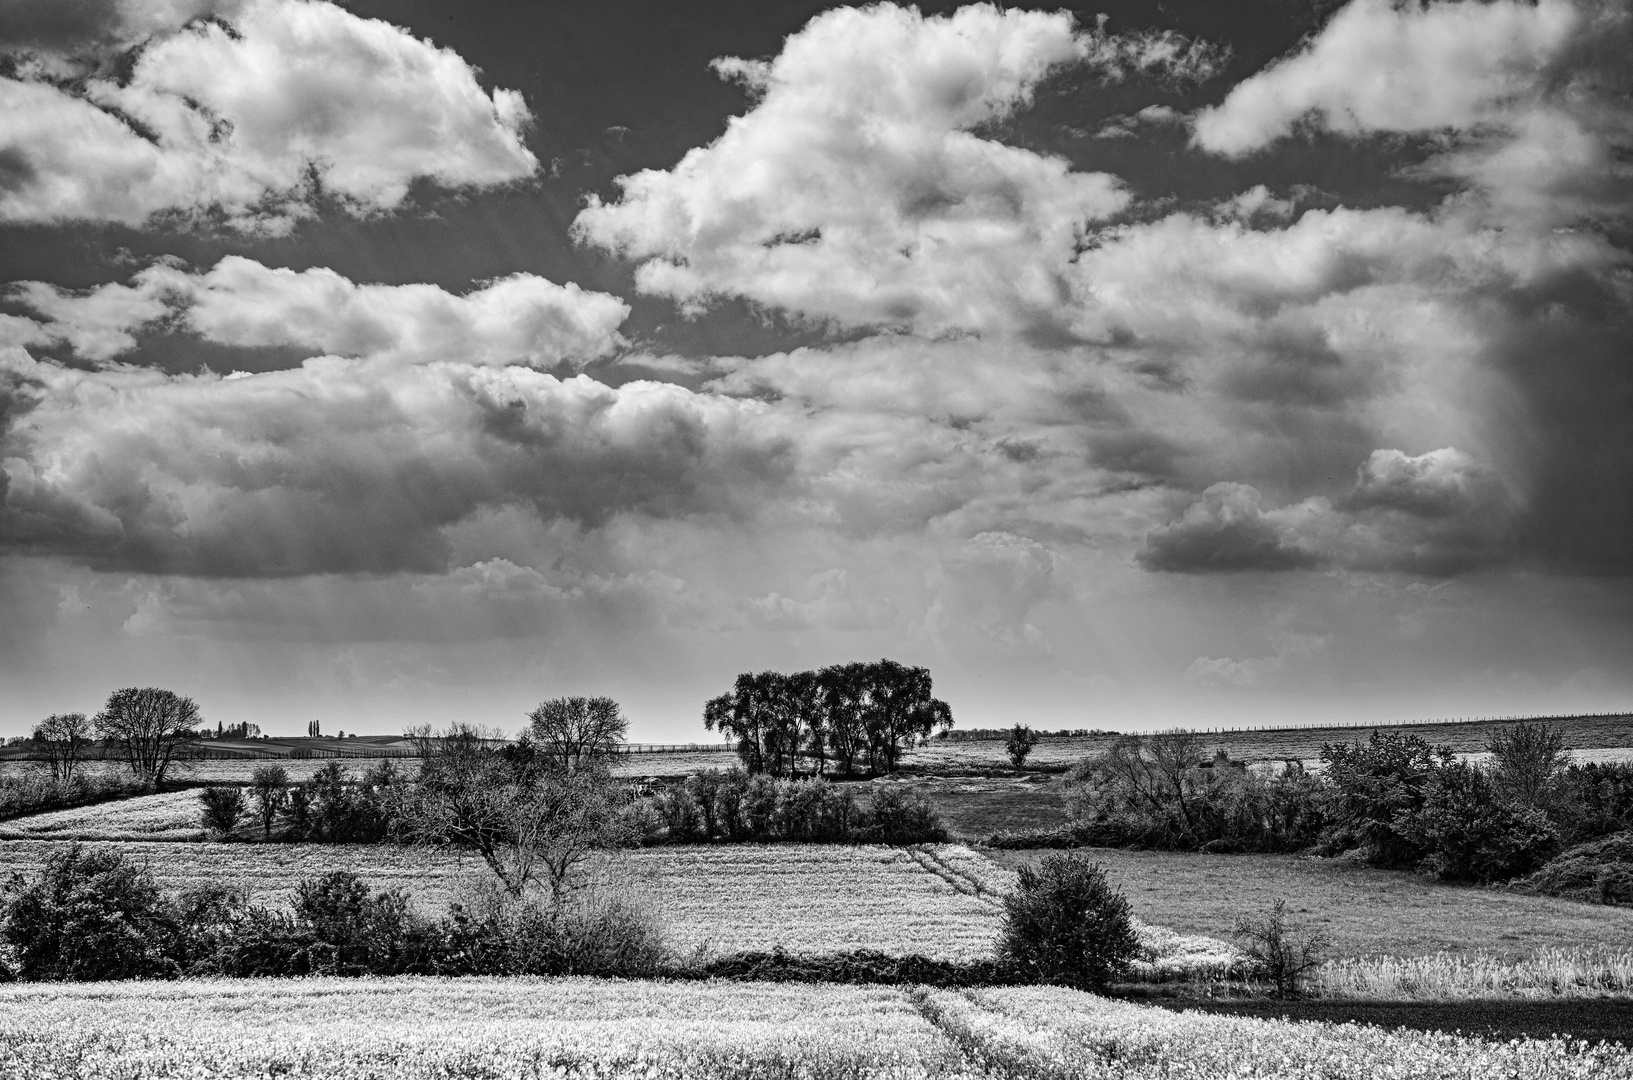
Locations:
column 846, row 718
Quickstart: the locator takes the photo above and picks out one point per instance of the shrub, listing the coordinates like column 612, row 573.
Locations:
column 591, row 933
column 90, row 915
column 1020, row 743
column 222, row 807
column 1281, row 953
column 1064, row 923
column 1598, row 872
column 897, row 816
column 1378, row 784
column 1470, row 833
column 374, row 934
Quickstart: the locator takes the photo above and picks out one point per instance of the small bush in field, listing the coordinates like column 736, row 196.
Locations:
column 1021, row 741
column 1064, row 923
column 222, row 807
column 1281, row 953
column 902, row 817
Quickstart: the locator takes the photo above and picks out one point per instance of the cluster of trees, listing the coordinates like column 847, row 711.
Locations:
column 1395, row 798
column 845, row 718
column 736, row 806
column 147, row 727
column 334, row 806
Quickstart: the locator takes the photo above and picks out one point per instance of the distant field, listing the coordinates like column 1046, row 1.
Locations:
column 1591, row 734
column 805, row 898
column 172, row 815
column 238, row 771
column 417, row 1029
column 1366, row 912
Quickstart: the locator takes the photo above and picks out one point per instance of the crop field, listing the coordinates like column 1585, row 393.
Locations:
column 414, row 1028
column 806, row 899
column 1365, row 911
column 172, row 815
column 1591, row 736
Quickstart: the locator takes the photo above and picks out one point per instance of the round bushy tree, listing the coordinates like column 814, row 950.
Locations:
column 1064, row 923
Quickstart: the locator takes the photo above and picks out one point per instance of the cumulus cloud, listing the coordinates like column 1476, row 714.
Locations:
column 1438, row 513
column 330, row 468
column 70, row 34
column 252, row 120
column 521, row 319
column 1536, row 95
column 856, row 189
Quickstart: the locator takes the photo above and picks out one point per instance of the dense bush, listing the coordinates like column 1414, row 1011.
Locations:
column 1599, row 872
column 735, row 806
column 92, row 915
column 220, row 809
column 1468, row 831
column 1064, row 923
column 1161, row 791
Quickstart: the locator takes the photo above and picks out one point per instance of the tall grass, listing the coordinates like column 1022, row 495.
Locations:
column 1579, row 972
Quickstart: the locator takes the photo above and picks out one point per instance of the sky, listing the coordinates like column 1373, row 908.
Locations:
column 1128, row 366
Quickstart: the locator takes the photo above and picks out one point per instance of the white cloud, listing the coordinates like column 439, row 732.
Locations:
column 855, row 190
column 240, row 123
column 340, row 467
column 521, row 319
column 1535, row 95
column 1438, row 513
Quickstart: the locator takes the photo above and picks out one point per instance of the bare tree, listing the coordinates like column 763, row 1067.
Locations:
column 154, row 728
column 531, row 820
column 269, row 784
column 63, row 738
column 570, row 732
column 1528, row 759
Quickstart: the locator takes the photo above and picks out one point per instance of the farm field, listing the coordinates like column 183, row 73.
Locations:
column 413, row 1028
column 1365, row 911
column 805, row 899
column 239, row 770
column 1586, row 733
column 171, row 815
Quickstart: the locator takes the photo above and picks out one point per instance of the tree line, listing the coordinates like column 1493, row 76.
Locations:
column 845, row 718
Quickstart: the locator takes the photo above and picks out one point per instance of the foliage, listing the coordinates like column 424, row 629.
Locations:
column 222, row 807
column 1064, row 923
column 1160, row 791
column 89, row 915
column 1469, row 832
column 1020, row 743
column 1599, row 872
column 63, row 738
column 740, row 807
column 269, row 785
column 1377, row 786
column 151, row 728
column 574, row 731
column 847, row 715
column 1282, row 953
column 1528, row 761
column 37, row 792
column 529, row 820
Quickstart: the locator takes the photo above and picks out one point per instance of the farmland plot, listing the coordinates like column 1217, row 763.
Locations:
column 414, row 1028
column 170, row 816
column 805, row 899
